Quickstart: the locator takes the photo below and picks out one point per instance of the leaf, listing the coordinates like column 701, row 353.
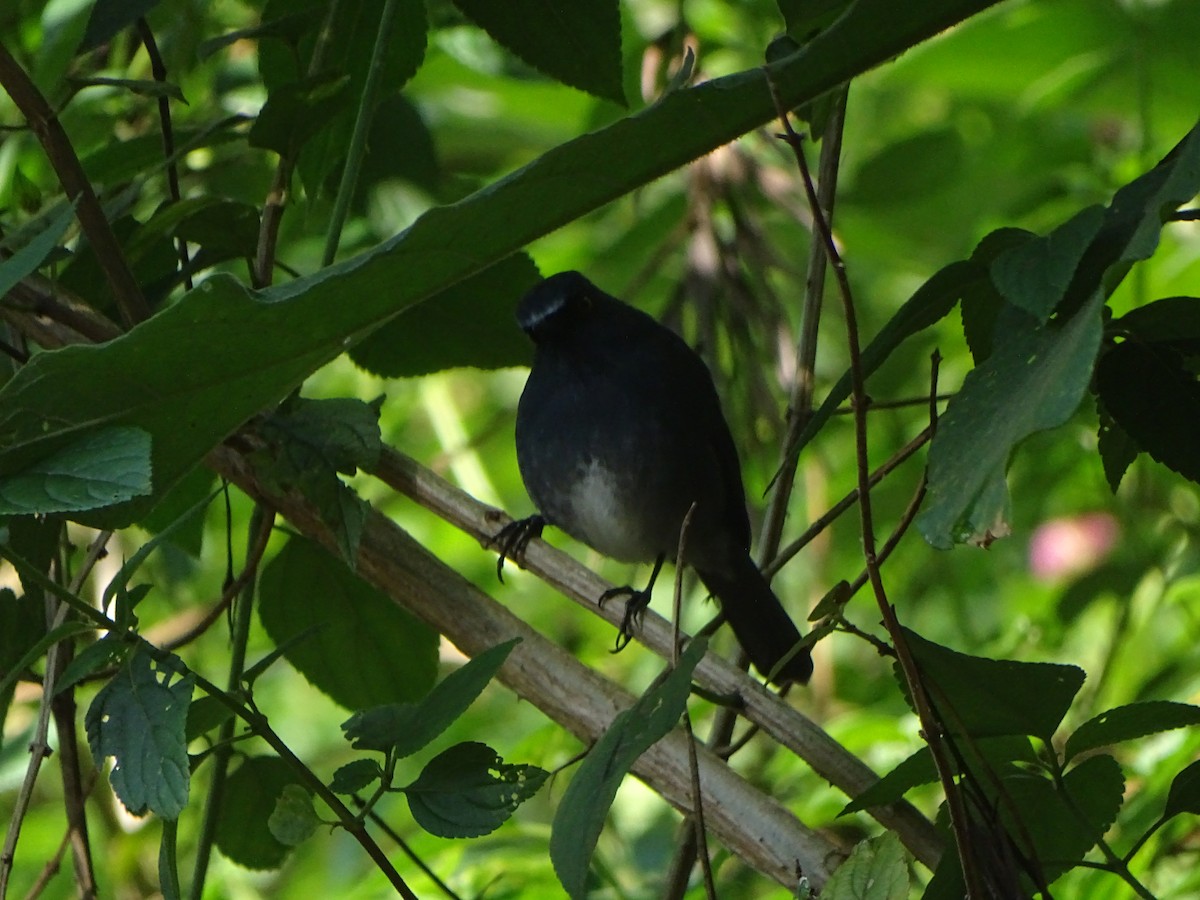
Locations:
column 930, row 304
column 1117, row 449
column 586, row 801
column 205, row 359
column 243, row 831
column 931, row 160
column 106, row 651
column 1033, row 380
column 918, row 769
column 1174, row 321
column 99, row 469
column 26, row 260
column 404, row 728
column 877, row 869
column 394, row 655
column 293, row 820
column 289, row 27
column 468, row 791
column 139, row 718
column 1124, row 723
column 471, row 322
column 339, row 435
column 110, row 16
column 1184, row 795
column 205, row 714
column 355, row 776
column 1155, row 400
column 136, row 86
column 1034, row 275
column 984, row 697
column 576, row 43
column 1065, row 824
column 981, row 301
column 295, row 112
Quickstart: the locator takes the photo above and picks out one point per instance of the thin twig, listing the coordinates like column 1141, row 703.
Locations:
column 44, row 123
column 925, row 713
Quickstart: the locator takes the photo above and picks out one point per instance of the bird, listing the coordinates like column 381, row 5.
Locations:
column 619, row 431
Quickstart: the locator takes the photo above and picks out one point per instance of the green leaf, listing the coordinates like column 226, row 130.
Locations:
column 394, row 655
column 99, row 469
column 1151, row 393
column 586, row 801
column 243, row 830
column 1124, row 723
column 468, row 791
column 404, row 728
column 1033, row 380
column 136, row 86
column 981, row 301
column 1184, row 795
column 295, row 112
column 1034, row 276
column 918, row 769
column 469, row 324
column 877, row 869
column 140, row 719
column 293, row 820
column 205, row 355
column 1174, row 321
column 26, row 260
column 104, row 652
column 1065, row 824
column 288, row 27
column 355, row 776
column 338, row 435
column 1117, row 449
column 110, row 16
column 576, row 43
column 205, row 714
column 930, row 304
column 983, row 697
column 931, row 160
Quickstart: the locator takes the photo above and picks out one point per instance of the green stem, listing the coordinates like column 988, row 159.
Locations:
column 358, row 138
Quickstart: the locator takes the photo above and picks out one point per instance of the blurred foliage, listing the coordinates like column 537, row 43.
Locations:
column 1018, row 119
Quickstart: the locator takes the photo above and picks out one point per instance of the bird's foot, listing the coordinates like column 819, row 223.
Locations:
column 513, row 539
column 631, row 621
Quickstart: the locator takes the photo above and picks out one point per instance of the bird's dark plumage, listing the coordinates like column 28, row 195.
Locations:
column 619, row 430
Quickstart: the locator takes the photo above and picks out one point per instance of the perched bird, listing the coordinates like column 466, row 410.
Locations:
column 619, row 431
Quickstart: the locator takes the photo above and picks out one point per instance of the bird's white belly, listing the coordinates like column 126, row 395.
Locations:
column 604, row 515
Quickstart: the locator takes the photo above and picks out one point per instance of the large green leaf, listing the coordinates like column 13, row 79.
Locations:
column 198, row 369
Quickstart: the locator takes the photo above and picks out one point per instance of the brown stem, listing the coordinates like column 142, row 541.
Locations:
column 44, row 123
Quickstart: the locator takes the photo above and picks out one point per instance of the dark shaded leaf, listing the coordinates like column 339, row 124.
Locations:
column 585, row 804
column 1155, row 400
column 363, row 650
column 404, row 728
column 983, row 697
column 1124, row 723
column 355, row 776
column 576, row 43
column 26, row 260
column 110, row 16
column 1184, row 796
column 251, row 793
column 468, row 791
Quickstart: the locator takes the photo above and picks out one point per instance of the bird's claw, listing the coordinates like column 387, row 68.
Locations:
column 631, row 620
column 512, row 540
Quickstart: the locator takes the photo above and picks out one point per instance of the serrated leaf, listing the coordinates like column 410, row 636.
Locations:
column 586, row 801
column 139, row 719
column 468, row 791
column 1033, row 380
column 1155, row 399
column 995, row 696
column 339, row 434
column 1170, row 320
column 576, row 43
column 355, row 776
column 877, row 869
column 99, row 469
column 293, row 820
column 469, row 324
column 1184, row 795
column 243, row 831
column 404, row 728
column 1124, row 723
column 394, row 654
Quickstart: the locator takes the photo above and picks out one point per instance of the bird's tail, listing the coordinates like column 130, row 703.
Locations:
column 758, row 620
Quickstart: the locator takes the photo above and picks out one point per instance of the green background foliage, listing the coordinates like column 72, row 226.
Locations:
column 1006, row 193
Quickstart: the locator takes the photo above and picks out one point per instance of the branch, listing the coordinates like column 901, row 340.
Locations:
column 44, row 123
